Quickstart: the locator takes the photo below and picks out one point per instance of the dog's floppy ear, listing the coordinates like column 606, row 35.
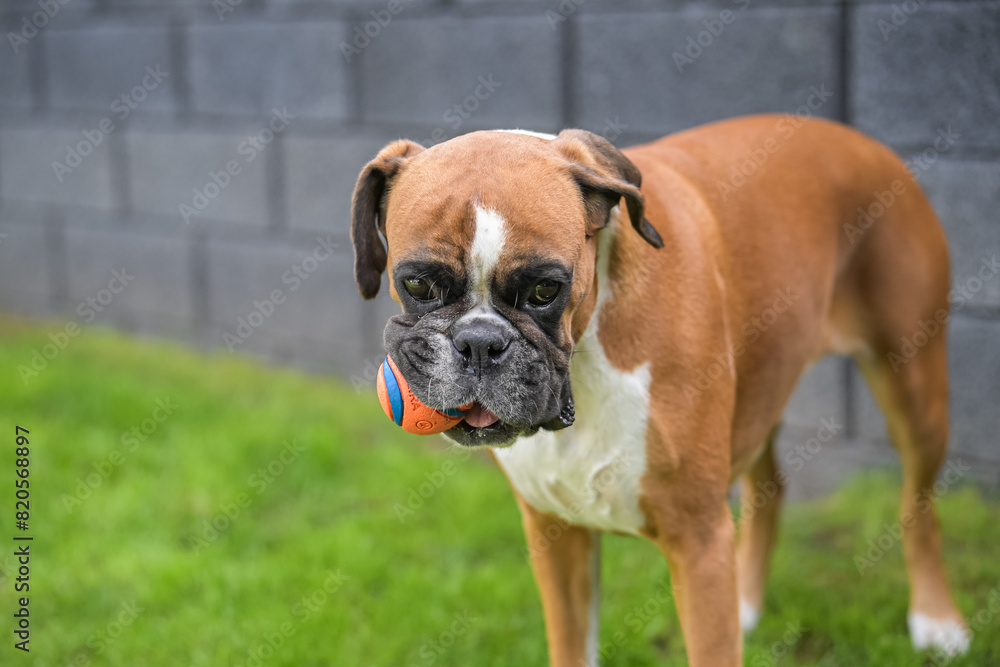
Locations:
column 605, row 177
column 368, row 213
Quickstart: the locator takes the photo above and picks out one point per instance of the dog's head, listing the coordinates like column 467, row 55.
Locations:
column 491, row 253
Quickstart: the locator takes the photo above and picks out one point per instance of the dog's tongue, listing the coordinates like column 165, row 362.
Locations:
column 477, row 416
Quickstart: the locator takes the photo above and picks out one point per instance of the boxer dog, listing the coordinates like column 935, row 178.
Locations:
column 628, row 362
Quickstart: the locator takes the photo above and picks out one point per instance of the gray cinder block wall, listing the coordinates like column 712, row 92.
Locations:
column 206, row 151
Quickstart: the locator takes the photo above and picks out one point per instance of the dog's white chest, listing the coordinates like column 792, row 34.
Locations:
column 588, row 474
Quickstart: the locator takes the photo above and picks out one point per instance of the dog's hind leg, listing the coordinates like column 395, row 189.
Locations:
column 762, row 489
column 889, row 312
column 914, row 398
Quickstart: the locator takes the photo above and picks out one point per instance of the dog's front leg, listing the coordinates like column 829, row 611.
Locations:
column 566, row 563
column 695, row 531
column 703, row 569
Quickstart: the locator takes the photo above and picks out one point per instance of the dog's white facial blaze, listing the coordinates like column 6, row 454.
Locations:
column 487, row 246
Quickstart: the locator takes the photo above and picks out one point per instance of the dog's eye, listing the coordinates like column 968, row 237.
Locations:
column 419, row 288
column 543, row 292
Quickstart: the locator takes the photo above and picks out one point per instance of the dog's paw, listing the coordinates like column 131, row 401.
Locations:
column 944, row 635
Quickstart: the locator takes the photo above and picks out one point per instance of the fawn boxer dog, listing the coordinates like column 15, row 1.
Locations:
column 627, row 363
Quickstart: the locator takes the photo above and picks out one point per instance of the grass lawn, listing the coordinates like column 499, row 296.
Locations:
column 309, row 563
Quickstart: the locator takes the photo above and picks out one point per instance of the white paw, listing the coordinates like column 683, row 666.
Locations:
column 947, row 636
column 749, row 616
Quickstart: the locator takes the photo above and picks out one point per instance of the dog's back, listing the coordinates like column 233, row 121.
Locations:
column 856, row 255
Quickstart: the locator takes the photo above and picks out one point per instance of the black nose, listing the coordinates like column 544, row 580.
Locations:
column 481, row 343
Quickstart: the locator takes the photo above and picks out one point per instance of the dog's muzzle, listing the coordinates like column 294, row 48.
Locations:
column 516, row 384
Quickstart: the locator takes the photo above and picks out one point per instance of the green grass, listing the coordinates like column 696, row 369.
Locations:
column 332, row 507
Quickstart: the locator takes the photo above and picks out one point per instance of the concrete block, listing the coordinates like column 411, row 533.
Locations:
column 819, row 396
column 974, row 366
column 321, row 357
column 470, row 74
column 320, row 175
column 814, row 471
column 966, row 196
column 673, row 70
column 89, row 67
column 283, row 292
column 177, row 5
column 27, row 155
column 165, row 169
column 24, row 268
column 915, row 72
column 374, row 315
column 974, row 349
column 150, row 272
column 249, row 69
column 30, row 8
column 15, row 65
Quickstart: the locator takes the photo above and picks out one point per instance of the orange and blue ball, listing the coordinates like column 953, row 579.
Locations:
column 405, row 409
